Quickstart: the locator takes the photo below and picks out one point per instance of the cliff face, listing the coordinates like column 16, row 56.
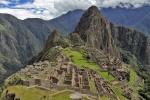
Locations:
column 133, row 41
column 147, row 55
column 94, row 30
column 75, row 39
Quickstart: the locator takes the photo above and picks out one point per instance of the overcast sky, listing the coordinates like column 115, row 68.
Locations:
column 48, row 9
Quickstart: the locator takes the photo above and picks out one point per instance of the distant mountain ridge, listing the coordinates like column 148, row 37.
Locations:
column 130, row 17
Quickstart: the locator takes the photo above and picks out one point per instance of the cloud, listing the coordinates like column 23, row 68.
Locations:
column 127, row 3
column 23, row 13
column 48, row 9
column 4, row 2
column 72, row 4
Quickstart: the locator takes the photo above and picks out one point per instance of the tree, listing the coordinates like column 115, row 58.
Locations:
column 71, row 56
column 88, row 58
column 109, row 69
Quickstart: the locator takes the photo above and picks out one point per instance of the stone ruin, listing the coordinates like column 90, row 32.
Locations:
column 110, row 64
column 120, row 74
column 53, row 79
column 37, row 82
column 10, row 96
column 68, row 78
column 65, row 72
column 101, row 84
column 85, row 84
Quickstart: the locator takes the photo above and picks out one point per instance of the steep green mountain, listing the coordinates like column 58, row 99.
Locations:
column 38, row 28
column 17, row 44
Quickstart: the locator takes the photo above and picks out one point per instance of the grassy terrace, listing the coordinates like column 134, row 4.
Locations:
column 104, row 98
column 92, row 85
column 106, row 76
column 33, row 93
column 25, row 93
column 64, row 95
column 133, row 74
column 119, row 94
column 133, row 77
column 132, row 83
column 80, row 61
column 61, row 95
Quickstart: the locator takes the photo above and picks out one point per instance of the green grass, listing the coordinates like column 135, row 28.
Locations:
column 133, row 77
column 133, row 74
column 62, row 95
column 92, row 85
column 104, row 98
column 106, row 76
column 80, row 61
column 65, row 85
column 132, row 81
column 25, row 93
column 118, row 93
column 34, row 93
column 119, row 85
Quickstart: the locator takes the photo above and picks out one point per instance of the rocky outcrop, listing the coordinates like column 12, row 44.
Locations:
column 94, row 30
column 56, row 39
column 75, row 39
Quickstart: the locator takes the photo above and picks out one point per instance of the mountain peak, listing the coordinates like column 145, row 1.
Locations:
column 92, row 18
column 93, row 9
column 92, row 12
column 55, row 33
column 56, row 39
column 95, row 31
